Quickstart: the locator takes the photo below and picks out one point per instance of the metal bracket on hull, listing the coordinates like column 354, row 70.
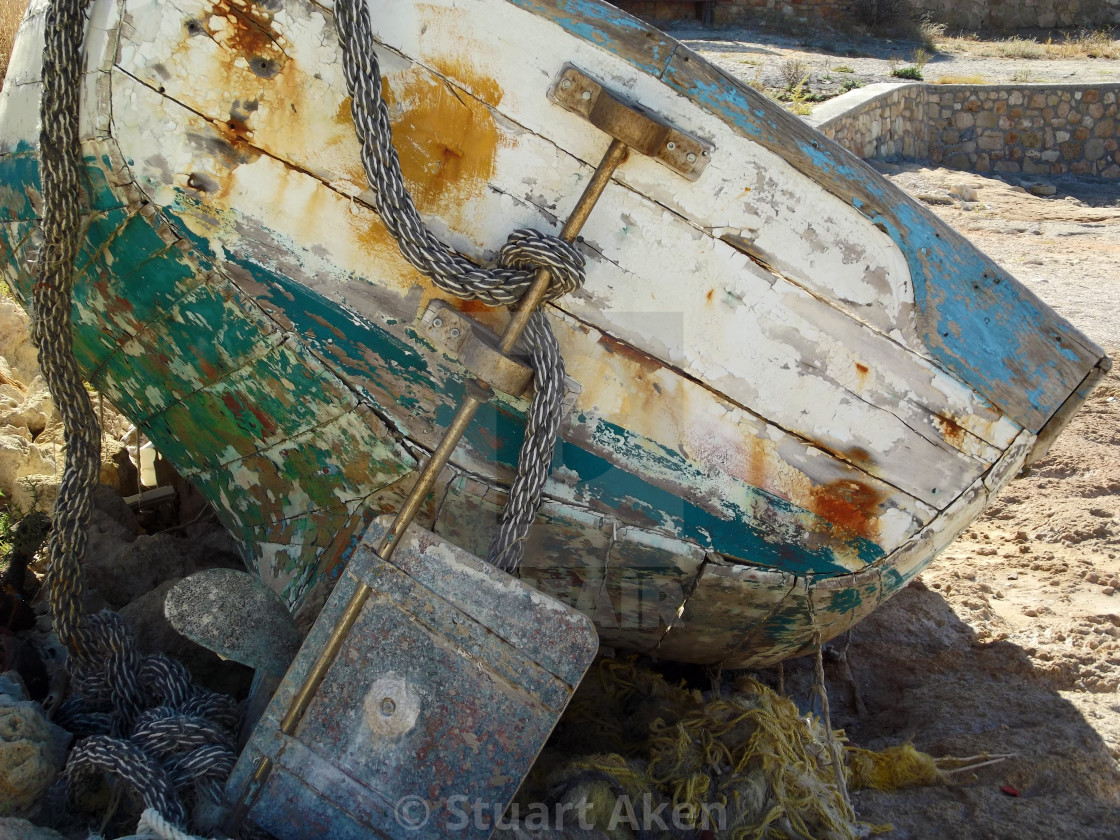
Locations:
column 476, row 346
column 577, row 92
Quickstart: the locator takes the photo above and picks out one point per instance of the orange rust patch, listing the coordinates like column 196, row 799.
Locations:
column 647, row 363
column 446, row 139
column 245, row 28
column 711, row 292
column 859, row 455
column 850, row 505
column 954, row 432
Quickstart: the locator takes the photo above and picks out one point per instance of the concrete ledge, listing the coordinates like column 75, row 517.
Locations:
column 846, row 104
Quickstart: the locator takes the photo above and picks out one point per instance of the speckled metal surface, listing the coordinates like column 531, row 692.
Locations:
column 443, row 694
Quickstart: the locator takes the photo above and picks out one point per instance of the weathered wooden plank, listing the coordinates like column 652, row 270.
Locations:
column 169, row 352
column 726, row 606
column 448, row 660
column 813, row 236
column 937, row 426
column 430, row 392
column 977, row 320
column 267, row 401
column 645, row 585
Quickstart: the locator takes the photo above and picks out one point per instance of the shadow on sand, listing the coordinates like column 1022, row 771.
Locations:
column 915, row 671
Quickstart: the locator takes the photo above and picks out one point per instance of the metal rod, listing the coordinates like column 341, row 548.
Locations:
column 478, row 393
column 613, row 158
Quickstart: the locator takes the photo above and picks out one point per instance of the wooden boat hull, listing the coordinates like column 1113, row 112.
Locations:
column 791, row 385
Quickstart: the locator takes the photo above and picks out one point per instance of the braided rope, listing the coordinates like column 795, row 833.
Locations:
column 139, row 770
column 172, row 746
column 524, row 253
column 60, row 155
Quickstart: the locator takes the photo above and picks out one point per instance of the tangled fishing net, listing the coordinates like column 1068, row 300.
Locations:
column 636, row 756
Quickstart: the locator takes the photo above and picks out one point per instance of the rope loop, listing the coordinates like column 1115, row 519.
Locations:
column 529, row 250
column 524, row 253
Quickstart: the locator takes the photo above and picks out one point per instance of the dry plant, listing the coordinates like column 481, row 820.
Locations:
column 960, row 80
column 11, row 11
column 1086, row 43
column 793, row 72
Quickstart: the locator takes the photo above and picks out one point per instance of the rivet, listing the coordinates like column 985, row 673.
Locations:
column 388, row 706
column 437, row 322
column 567, row 83
column 670, row 145
column 690, row 157
column 454, row 332
column 586, row 95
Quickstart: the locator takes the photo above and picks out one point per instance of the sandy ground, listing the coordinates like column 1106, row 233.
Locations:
column 1009, row 642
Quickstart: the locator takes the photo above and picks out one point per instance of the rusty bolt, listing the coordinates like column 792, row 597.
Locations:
column 388, row 706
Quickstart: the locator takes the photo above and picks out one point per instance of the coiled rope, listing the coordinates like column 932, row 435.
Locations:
column 147, row 724
column 521, row 256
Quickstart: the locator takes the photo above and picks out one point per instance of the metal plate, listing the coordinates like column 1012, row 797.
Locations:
column 447, row 688
column 630, row 123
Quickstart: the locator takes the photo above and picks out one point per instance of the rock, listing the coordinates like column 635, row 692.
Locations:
column 1043, row 190
column 235, row 615
column 931, row 198
column 19, row 459
column 963, row 192
column 123, row 571
column 154, row 634
column 15, row 343
column 16, row 829
column 27, row 756
column 34, row 410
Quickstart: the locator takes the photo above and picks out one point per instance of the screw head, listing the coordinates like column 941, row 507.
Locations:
column 670, row 145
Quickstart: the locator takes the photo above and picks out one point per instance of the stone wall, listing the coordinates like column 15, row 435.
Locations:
column 882, row 121
column 956, row 14
column 1032, row 129
column 1022, row 14
column 1027, row 129
column 740, row 11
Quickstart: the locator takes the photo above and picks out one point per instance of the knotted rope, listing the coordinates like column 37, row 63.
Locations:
column 147, row 723
column 524, row 253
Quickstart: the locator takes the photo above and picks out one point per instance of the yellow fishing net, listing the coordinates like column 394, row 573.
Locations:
column 636, row 756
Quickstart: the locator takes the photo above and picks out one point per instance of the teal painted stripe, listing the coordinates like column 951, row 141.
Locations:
column 498, row 431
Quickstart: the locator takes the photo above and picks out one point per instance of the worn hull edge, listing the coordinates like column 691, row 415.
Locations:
column 978, row 321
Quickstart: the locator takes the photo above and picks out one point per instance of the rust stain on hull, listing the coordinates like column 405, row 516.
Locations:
column 447, row 140
column 853, row 506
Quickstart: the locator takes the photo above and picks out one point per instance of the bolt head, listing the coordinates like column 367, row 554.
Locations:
column 585, row 95
column 566, row 84
column 455, row 332
column 437, row 322
column 670, row 145
column 690, row 157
